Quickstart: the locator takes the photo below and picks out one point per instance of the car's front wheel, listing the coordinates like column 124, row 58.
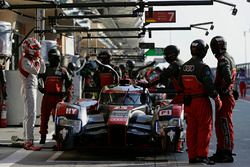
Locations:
column 64, row 138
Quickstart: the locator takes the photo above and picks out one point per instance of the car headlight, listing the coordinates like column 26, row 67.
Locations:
column 163, row 124
column 76, row 124
column 174, row 122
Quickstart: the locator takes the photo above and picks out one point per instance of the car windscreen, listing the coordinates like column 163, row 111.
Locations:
column 120, row 99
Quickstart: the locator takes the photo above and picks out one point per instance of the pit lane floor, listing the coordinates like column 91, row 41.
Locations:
column 18, row 157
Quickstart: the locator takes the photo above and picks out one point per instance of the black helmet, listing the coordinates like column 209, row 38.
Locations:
column 130, row 64
column 218, row 45
column 171, row 52
column 104, row 57
column 199, row 48
column 54, row 57
column 122, row 67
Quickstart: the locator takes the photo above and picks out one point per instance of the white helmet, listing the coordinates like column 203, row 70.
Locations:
column 31, row 47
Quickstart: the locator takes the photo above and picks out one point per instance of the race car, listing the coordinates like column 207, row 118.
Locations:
column 123, row 116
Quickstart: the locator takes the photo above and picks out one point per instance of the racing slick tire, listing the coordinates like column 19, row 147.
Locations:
column 169, row 145
column 166, row 145
column 65, row 139
column 163, row 144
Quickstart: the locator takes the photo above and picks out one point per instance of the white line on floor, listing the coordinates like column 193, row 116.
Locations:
column 55, row 156
column 15, row 157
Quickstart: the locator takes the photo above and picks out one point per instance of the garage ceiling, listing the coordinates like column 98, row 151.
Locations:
column 121, row 46
column 129, row 46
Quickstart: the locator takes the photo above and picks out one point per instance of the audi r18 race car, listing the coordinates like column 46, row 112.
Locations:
column 123, row 116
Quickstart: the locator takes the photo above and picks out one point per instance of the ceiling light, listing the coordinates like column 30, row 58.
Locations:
column 234, row 11
column 211, row 27
column 53, row 30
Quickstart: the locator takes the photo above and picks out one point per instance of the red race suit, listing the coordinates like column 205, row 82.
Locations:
column 197, row 82
column 224, row 83
column 57, row 85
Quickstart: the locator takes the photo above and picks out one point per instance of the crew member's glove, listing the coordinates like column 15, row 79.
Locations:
column 69, row 94
column 141, row 84
column 37, row 65
column 218, row 103
column 41, row 89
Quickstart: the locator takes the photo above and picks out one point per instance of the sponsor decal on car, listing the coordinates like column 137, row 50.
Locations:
column 165, row 112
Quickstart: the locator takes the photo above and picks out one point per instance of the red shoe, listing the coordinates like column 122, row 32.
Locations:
column 30, row 146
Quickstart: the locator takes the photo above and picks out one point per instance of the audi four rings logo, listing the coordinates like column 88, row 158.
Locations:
column 188, row 68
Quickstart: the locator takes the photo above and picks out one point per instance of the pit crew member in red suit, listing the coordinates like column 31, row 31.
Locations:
column 57, row 85
column 197, row 82
column 224, row 84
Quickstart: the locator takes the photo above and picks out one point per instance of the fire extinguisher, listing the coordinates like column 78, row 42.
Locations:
column 3, row 115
